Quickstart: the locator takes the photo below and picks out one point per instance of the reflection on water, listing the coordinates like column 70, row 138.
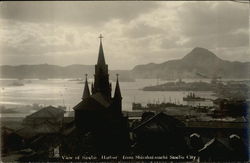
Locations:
column 68, row 93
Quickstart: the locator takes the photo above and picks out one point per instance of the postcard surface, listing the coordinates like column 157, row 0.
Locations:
column 89, row 81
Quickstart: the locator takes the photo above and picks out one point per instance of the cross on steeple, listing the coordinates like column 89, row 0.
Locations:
column 100, row 37
column 101, row 59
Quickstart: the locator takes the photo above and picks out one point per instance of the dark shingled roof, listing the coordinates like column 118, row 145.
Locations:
column 215, row 145
column 26, row 132
column 45, row 128
column 47, row 112
column 162, row 120
column 6, row 130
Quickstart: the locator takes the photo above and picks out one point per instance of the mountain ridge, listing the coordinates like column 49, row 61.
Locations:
column 198, row 63
column 46, row 71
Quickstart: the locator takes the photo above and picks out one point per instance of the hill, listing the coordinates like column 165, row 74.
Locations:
column 46, row 71
column 199, row 63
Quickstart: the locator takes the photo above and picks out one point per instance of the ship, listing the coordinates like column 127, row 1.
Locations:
column 155, row 106
column 77, row 79
column 192, row 97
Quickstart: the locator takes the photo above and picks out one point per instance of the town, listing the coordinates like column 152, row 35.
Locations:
column 100, row 129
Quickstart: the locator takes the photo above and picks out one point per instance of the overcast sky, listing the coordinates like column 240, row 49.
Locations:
column 65, row 33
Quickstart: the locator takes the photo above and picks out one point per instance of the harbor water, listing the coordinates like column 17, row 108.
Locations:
column 68, row 93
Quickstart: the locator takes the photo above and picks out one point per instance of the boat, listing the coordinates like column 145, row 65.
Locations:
column 155, row 106
column 192, row 97
column 77, row 79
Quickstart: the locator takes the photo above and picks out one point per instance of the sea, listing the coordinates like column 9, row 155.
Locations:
column 18, row 100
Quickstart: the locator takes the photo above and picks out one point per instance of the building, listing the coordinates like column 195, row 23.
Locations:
column 10, row 140
column 48, row 115
column 159, row 134
column 101, row 114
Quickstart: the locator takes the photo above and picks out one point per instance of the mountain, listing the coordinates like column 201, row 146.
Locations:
column 199, row 63
column 45, row 71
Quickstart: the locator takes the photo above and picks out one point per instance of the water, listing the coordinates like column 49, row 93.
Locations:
column 68, row 93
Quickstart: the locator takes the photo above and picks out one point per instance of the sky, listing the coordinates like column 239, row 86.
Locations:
column 135, row 32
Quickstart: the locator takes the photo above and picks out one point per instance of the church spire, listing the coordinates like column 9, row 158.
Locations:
column 117, row 89
column 101, row 83
column 86, row 93
column 101, row 59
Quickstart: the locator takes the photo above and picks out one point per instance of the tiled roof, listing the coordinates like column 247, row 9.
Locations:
column 162, row 120
column 26, row 132
column 47, row 112
column 45, row 128
column 215, row 144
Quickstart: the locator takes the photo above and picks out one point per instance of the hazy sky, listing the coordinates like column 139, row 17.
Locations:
column 65, row 33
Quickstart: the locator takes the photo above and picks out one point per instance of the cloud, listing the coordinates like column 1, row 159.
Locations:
column 142, row 30
column 203, row 18
column 223, row 40
column 88, row 13
column 233, row 54
column 135, row 32
column 214, row 24
column 36, row 39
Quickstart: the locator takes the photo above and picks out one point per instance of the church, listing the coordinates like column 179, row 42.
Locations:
column 100, row 113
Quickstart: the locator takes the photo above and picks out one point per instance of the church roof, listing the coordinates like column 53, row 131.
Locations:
column 94, row 102
column 100, row 98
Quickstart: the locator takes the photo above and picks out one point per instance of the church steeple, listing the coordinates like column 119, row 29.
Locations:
column 117, row 99
column 101, row 59
column 117, row 94
column 101, row 83
column 86, row 93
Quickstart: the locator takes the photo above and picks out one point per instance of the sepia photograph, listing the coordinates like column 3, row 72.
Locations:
column 124, row 81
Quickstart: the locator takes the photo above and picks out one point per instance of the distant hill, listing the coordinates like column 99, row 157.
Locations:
column 199, row 63
column 46, row 71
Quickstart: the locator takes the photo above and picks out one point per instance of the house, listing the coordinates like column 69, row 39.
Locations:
column 10, row 140
column 159, row 134
column 48, row 115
